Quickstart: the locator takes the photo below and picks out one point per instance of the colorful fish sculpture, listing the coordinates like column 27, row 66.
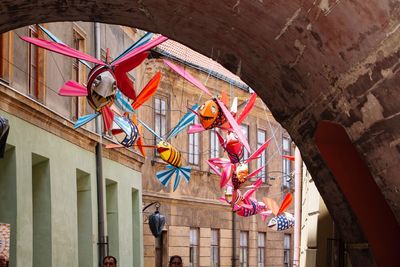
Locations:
column 236, row 197
column 282, row 220
column 213, row 113
column 103, row 79
column 237, row 172
column 252, row 207
column 170, row 154
column 126, row 129
column 232, row 145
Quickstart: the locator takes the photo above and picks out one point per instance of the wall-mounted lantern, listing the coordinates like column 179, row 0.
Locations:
column 156, row 220
column 4, row 129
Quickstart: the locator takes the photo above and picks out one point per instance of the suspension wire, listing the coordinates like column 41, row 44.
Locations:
column 58, row 67
column 270, row 127
column 44, row 84
column 202, row 152
column 206, row 81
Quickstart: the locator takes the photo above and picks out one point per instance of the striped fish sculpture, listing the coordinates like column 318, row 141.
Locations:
column 125, row 128
column 250, row 208
column 173, row 157
column 129, row 131
column 170, row 154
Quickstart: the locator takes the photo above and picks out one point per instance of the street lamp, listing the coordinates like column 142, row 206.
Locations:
column 156, row 219
column 4, row 128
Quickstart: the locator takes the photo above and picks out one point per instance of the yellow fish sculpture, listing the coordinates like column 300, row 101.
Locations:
column 170, row 154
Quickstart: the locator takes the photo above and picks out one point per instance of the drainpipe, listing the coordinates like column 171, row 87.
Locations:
column 102, row 238
column 234, row 240
column 297, row 206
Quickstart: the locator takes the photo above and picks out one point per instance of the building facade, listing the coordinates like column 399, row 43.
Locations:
column 199, row 227
column 48, row 178
column 48, row 175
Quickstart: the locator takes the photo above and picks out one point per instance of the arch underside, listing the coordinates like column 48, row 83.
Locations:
column 308, row 60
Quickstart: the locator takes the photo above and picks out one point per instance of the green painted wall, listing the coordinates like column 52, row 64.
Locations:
column 41, row 168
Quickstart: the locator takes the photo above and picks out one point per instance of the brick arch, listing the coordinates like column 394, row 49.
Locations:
column 308, row 60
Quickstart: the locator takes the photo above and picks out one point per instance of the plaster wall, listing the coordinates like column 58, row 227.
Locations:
column 64, row 159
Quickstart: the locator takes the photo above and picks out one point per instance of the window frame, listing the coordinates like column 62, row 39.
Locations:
column 286, row 163
column 5, row 56
column 246, row 134
column 194, row 142
column 215, row 248
column 287, row 239
column 33, row 55
column 194, row 247
column 262, row 160
column 78, row 103
column 244, row 249
column 261, row 249
column 161, row 117
column 214, row 144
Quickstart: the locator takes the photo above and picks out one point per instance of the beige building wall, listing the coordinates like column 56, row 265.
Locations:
column 317, row 225
column 49, row 189
column 196, row 204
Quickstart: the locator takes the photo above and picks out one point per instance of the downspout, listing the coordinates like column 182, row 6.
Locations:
column 235, row 259
column 234, row 240
column 102, row 238
column 297, row 206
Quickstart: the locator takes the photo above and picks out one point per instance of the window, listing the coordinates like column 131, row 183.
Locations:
column 244, row 237
column 214, row 144
column 78, row 74
column 286, row 169
column 245, row 131
column 36, row 88
column 261, row 161
column 286, row 250
column 194, row 247
column 261, row 250
column 33, row 64
column 4, row 56
column 194, row 146
column 160, row 116
column 214, row 247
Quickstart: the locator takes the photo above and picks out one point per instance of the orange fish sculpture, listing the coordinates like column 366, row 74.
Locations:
column 213, row 113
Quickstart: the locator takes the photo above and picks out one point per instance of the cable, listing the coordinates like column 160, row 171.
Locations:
column 30, row 76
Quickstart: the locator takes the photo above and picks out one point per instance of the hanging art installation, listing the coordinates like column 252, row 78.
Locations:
column 234, row 172
column 126, row 129
column 282, row 220
column 110, row 92
column 214, row 112
column 104, row 78
column 170, row 154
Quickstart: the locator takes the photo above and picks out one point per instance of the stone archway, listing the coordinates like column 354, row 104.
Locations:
column 308, row 60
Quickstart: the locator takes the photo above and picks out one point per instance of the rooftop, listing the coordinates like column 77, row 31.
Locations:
column 187, row 56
